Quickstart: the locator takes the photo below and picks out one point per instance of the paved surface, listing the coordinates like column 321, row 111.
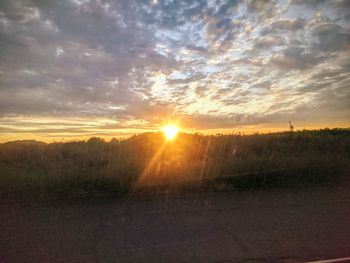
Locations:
column 269, row 226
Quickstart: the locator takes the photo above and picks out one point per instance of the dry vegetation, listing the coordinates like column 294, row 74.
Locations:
column 31, row 169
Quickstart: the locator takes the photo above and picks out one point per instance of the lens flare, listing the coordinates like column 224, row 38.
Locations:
column 170, row 132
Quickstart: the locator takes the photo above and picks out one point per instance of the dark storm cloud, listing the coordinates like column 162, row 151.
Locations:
column 221, row 63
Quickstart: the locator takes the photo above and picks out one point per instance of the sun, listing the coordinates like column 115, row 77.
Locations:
column 170, row 131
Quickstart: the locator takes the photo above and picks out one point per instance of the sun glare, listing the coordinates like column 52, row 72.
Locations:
column 170, row 131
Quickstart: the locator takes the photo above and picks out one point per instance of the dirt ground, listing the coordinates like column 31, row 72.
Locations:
column 285, row 225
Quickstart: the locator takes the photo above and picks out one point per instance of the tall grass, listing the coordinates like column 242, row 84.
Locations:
column 30, row 169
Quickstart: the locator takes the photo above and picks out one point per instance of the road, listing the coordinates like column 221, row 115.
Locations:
column 283, row 225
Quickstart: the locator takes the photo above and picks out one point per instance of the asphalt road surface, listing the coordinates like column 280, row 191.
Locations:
column 250, row 226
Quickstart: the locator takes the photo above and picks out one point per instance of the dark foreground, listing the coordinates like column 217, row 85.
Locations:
column 252, row 226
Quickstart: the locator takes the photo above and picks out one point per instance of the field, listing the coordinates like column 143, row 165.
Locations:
column 147, row 162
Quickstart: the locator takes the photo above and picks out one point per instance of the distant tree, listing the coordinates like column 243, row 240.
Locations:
column 291, row 127
column 115, row 141
column 96, row 140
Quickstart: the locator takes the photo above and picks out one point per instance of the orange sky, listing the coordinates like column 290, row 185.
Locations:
column 65, row 136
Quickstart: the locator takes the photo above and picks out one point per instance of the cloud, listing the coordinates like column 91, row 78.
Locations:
column 213, row 63
column 330, row 37
column 295, row 58
column 284, row 25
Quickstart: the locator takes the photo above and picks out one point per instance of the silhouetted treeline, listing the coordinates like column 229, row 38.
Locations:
column 31, row 169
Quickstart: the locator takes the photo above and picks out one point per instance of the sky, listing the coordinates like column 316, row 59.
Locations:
column 80, row 68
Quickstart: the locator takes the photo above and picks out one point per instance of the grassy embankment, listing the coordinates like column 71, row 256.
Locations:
column 30, row 169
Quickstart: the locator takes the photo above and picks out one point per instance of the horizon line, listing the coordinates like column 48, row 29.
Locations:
column 183, row 131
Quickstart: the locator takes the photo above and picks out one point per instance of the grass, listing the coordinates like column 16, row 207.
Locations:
column 31, row 169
